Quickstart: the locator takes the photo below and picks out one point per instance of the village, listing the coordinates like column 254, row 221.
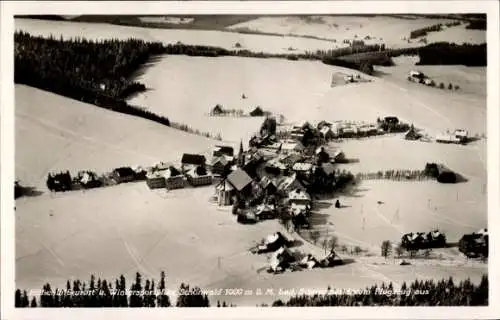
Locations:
column 282, row 175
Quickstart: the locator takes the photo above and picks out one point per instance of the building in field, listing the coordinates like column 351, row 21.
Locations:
column 198, row 176
column 124, row 174
column 190, row 161
column 237, row 185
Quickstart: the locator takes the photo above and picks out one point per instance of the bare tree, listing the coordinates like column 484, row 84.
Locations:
column 333, row 243
column 314, row 234
column 385, row 248
column 399, row 250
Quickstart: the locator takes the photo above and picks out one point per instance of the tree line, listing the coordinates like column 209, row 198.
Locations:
column 104, row 294
column 444, row 53
column 434, row 28
column 417, row 293
column 95, row 72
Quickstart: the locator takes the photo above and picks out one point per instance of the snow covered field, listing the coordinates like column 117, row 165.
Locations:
column 61, row 236
column 101, row 31
column 186, row 88
column 55, row 133
column 380, row 29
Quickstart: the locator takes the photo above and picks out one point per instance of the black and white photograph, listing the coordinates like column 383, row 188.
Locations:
column 249, row 156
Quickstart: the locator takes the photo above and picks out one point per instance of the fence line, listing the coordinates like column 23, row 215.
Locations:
column 395, row 175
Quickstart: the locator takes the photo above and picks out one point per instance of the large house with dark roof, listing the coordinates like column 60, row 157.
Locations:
column 192, row 160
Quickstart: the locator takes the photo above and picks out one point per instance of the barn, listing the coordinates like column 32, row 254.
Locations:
column 190, row 161
column 198, row 176
column 124, row 174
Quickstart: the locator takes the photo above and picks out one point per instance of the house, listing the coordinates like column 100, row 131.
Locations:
column 241, row 182
column 303, row 168
column 225, row 193
column 391, row 120
column 275, row 166
column 123, row 174
column 198, row 176
column 155, row 180
column 323, row 124
column 291, row 147
column 417, row 74
column 447, row 138
column 290, row 183
column 268, row 185
column 368, row 130
column 223, row 151
column 173, row 178
column 276, row 146
column 217, row 110
column 327, row 133
column 348, row 131
column 299, row 197
column 265, row 211
column 257, row 112
column 220, row 166
column 337, row 155
column 192, row 160
column 462, row 134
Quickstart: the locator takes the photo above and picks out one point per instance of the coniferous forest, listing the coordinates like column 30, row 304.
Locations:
column 103, row 293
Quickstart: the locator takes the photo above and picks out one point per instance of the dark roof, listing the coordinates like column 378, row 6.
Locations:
column 225, row 149
column 196, row 159
column 257, row 112
column 239, row 179
column 218, row 108
column 124, row 171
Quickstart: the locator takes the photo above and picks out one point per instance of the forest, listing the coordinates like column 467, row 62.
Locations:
column 444, row 53
column 417, row 293
column 146, row 294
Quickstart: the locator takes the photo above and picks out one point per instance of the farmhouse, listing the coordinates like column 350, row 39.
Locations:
column 290, row 147
column 462, row 134
column 337, row 155
column 299, row 197
column 257, row 112
column 192, row 160
column 348, row 131
column 220, row 166
column 327, row 133
column 323, row 124
column 223, row 151
column 447, row 138
column 303, row 168
column 241, row 182
column 123, row 174
column 368, row 130
column 268, row 186
column 217, row 110
column 173, row 178
column 198, row 176
column 265, row 211
column 287, row 184
column 155, row 180
column 275, row 166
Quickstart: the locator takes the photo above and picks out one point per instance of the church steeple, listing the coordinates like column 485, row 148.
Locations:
column 241, row 155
